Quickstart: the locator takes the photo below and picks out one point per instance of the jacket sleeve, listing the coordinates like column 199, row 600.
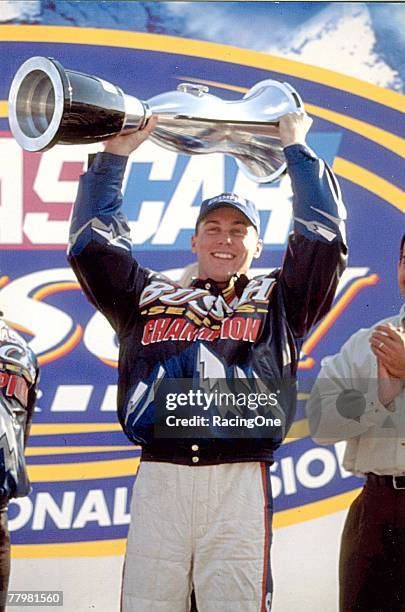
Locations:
column 344, row 401
column 316, row 254
column 100, row 248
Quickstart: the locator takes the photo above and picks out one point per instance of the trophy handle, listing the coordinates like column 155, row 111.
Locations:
column 193, row 121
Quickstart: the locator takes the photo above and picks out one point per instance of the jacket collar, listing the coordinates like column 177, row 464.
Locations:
column 236, row 285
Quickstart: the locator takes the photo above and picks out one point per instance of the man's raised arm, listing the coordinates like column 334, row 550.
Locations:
column 100, row 248
column 316, row 254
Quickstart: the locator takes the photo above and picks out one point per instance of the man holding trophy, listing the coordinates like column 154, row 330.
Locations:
column 202, row 504
column 201, row 508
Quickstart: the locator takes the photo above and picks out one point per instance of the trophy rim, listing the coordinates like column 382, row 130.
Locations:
column 55, row 73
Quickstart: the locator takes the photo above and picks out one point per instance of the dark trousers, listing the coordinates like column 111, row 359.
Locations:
column 372, row 556
column 4, row 558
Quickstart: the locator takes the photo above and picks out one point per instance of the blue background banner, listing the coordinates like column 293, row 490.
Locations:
column 81, row 466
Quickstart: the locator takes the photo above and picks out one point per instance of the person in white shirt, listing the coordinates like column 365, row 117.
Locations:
column 359, row 396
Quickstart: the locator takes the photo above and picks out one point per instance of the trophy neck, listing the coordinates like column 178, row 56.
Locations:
column 137, row 114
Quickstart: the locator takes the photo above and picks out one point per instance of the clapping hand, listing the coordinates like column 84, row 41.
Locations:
column 388, row 344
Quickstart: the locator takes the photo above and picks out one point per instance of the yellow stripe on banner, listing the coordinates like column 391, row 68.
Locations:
column 196, row 48
column 308, row 512
column 371, row 182
column 106, row 548
column 35, row 451
column 68, row 346
column 298, row 430
column 87, row 470
column 382, row 137
column 52, row 429
column 99, row 548
column 52, row 288
column 3, row 108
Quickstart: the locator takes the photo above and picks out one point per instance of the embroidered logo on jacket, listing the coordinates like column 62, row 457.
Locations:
column 195, row 314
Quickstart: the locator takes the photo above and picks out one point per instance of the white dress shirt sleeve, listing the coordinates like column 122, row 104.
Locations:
column 344, row 401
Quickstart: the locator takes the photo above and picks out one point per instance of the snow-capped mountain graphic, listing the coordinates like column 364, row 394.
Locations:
column 342, row 38
column 365, row 40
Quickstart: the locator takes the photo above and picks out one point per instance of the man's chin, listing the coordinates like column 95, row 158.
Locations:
column 223, row 277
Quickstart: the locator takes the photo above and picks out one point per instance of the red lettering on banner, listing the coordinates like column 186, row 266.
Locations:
column 36, row 196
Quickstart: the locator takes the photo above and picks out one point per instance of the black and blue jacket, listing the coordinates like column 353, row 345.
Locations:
column 251, row 331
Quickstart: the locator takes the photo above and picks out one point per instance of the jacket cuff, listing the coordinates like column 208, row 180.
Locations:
column 103, row 163
column 297, row 153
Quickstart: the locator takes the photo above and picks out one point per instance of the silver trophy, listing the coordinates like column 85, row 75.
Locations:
column 50, row 105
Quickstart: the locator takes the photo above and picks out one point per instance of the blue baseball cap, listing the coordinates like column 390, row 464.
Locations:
column 246, row 207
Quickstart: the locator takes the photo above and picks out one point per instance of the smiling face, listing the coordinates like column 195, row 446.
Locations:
column 225, row 244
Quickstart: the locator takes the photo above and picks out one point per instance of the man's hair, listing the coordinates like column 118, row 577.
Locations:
column 401, row 250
